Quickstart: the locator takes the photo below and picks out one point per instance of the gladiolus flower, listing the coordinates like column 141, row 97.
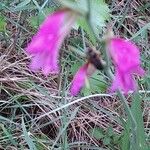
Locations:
column 80, row 77
column 45, row 45
column 126, row 58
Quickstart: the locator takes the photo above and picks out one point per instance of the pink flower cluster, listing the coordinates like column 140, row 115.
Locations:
column 45, row 45
column 79, row 80
column 126, row 58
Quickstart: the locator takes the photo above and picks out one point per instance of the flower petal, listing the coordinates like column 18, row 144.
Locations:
column 47, row 33
column 124, row 53
column 79, row 80
column 46, row 43
column 50, row 65
column 36, row 62
column 123, row 81
column 126, row 58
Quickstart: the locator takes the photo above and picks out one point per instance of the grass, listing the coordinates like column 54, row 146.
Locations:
column 36, row 112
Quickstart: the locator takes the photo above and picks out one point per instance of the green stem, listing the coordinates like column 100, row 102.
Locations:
column 107, row 58
column 133, row 121
column 88, row 18
column 109, row 73
column 83, row 40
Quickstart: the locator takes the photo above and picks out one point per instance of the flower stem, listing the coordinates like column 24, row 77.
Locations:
column 111, row 76
column 133, row 121
column 107, row 58
column 83, row 40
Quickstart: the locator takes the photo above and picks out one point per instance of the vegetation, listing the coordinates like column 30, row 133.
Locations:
column 37, row 112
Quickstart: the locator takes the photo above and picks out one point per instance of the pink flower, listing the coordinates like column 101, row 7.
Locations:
column 45, row 45
column 80, row 77
column 126, row 58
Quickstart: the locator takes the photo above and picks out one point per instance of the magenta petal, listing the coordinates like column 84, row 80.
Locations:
column 79, row 80
column 127, row 82
column 124, row 53
column 116, row 82
column 140, row 71
column 47, row 62
column 35, row 45
column 50, row 65
column 126, row 58
column 36, row 63
column 48, row 69
column 123, row 81
column 46, row 43
column 48, row 32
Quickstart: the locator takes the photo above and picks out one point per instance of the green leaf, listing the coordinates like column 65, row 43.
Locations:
column 2, row 24
column 22, row 4
column 75, row 67
column 137, row 112
column 78, row 6
column 106, row 141
column 83, row 23
column 125, row 142
column 110, row 132
column 82, row 6
column 99, row 14
column 2, row 6
column 125, row 138
column 86, row 91
column 140, row 138
column 116, row 139
column 98, row 133
column 9, row 135
column 27, row 138
column 147, row 26
column 96, row 85
column 35, row 21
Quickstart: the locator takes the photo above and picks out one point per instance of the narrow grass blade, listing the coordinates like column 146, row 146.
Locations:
column 9, row 135
column 27, row 138
column 137, row 112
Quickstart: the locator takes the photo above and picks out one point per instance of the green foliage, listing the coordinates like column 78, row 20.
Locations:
column 2, row 23
column 8, row 135
column 96, row 13
column 27, row 137
column 140, row 142
column 96, row 83
column 99, row 14
column 35, row 21
column 108, row 137
column 75, row 67
column 98, row 133
column 84, row 24
column 111, row 139
column 125, row 139
column 22, row 4
column 137, row 112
